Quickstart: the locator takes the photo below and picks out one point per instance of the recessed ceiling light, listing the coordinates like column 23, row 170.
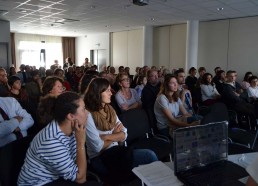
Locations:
column 152, row 19
column 107, row 26
column 92, row 6
column 220, row 9
column 23, row 11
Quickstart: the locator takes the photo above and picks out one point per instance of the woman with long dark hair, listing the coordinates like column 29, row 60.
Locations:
column 169, row 110
column 210, row 95
column 105, row 131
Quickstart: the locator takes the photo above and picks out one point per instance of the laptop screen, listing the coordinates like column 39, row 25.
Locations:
column 200, row 145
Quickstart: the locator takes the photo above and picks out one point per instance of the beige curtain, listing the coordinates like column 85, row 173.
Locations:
column 68, row 44
column 13, row 50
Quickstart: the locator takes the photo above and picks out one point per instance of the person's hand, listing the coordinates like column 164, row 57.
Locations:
column 17, row 129
column 19, row 118
column 118, row 128
column 237, row 94
column 196, row 123
column 184, row 86
column 124, row 106
column 80, row 132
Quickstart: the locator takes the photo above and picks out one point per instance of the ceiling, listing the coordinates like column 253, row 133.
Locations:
column 80, row 17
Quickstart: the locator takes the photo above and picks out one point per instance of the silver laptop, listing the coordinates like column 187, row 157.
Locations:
column 200, row 156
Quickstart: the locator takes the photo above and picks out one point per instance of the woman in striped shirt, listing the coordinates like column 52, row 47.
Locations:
column 57, row 152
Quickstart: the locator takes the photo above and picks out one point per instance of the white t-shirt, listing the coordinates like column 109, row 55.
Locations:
column 252, row 92
column 162, row 102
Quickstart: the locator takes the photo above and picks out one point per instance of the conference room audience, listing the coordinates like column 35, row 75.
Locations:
column 14, row 121
column 169, row 110
column 126, row 97
column 210, row 95
column 57, row 153
column 105, row 131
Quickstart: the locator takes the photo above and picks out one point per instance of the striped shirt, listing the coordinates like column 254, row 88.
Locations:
column 51, row 155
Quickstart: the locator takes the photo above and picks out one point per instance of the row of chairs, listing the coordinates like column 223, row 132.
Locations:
column 237, row 135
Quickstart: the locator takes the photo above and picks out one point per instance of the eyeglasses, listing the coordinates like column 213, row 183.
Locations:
column 126, row 79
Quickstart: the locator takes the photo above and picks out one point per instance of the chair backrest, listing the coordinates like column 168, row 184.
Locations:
column 152, row 120
column 115, row 105
column 137, row 124
column 218, row 112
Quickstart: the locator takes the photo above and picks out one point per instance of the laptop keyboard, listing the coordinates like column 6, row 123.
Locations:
column 214, row 175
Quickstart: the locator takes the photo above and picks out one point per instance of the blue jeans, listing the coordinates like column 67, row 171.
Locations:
column 140, row 157
column 143, row 156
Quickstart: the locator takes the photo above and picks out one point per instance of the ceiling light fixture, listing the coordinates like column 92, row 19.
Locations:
column 152, row 19
column 92, row 6
column 220, row 9
column 3, row 12
column 23, row 11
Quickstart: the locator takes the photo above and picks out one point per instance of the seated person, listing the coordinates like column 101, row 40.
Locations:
column 141, row 82
column 220, row 81
column 60, row 73
column 4, row 87
column 14, row 120
column 53, row 86
column 231, row 97
column 191, row 80
column 252, row 170
column 151, row 90
column 105, row 131
column 58, row 150
column 209, row 92
column 18, row 92
column 245, row 83
column 253, row 88
column 126, row 98
column 167, row 107
column 184, row 93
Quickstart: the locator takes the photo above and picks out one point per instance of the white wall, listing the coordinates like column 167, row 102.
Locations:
column 213, row 45
column 127, row 49
column 177, row 46
column 169, row 48
column 243, row 46
column 5, row 37
column 231, row 44
column 84, row 44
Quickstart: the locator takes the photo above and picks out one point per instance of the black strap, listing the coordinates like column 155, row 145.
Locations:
column 4, row 115
column 18, row 134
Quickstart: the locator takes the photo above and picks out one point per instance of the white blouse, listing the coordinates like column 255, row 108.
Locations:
column 208, row 92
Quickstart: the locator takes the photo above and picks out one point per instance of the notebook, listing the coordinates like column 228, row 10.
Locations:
column 200, row 156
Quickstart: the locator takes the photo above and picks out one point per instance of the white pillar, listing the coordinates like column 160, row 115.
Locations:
column 192, row 44
column 147, row 46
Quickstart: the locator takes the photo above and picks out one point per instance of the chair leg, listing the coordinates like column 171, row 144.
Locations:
column 255, row 138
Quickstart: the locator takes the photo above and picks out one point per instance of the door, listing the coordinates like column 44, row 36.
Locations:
column 99, row 58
